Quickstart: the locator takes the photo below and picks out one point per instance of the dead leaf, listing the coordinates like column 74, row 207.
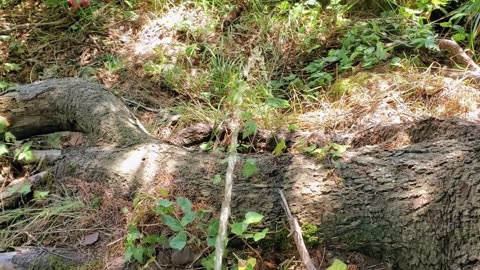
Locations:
column 76, row 139
column 89, row 239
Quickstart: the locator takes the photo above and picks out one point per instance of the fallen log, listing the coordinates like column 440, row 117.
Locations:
column 413, row 203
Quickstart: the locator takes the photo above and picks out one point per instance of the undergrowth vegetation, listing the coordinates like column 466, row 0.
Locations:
column 268, row 65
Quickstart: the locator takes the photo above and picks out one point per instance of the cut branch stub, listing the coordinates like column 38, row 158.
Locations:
column 70, row 105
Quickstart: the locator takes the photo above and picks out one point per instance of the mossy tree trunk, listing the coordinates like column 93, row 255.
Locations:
column 408, row 194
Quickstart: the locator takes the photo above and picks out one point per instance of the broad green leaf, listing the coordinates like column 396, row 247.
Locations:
column 164, row 206
column 292, row 127
column 277, row 103
column 206, row 146
column 290, row 77
column 25, row 189
column 339, row 149
column 3, row 123
column 249, row 264
column 247, row 235
column 249, row 128
column 213, row 227
column 279, row 148
column 459, row 37
column 12, row 189
column 396, row 62
column 39, row 194
column 129, row 253
column 155, row 239
column 238, row 228
column 26, row 155
column 179, row 241
column 309, row 149
column 138, row 254
column 188, row 218
column 172, row 223
column 260, row 235
column 313, row 67
column 246, row 116
column 253, row 217
column 9, row 137
column 249, row 168
column 164, row 203
column 133, row 233
column 148, row 251
column 330, row 59
column 211, row 241
column 337, row 265
column 207, row 263
column 184, row 204
column 8, row 67
column 3, row 149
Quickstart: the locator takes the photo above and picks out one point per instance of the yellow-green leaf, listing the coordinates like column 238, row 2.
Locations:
column 337, row 265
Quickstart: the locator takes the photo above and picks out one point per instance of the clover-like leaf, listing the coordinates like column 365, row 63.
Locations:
column 179, row 241
column 184, row 204
column 239, row 228
column 172, row 223
column 253, row 217
column 260, row 235
column 249, row 168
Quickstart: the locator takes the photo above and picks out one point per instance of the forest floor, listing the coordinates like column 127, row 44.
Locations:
column 176, row 64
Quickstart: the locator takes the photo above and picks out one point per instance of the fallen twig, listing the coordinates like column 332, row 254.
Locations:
column 32, row 25
column 225, row 209
column 461, row 57
column 297, row 234
column 163, row 114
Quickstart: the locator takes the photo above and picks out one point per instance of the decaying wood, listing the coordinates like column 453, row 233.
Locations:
column 234, row 14
column 414, row 204
column 41, row 258
column 262, row 140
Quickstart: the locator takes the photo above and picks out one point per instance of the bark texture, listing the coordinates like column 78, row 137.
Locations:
column 406, row 194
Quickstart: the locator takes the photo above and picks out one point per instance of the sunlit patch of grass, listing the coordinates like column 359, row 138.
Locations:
column 369, row 99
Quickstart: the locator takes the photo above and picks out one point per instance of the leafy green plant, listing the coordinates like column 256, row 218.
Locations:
column 183, row 226
column 241, row 229
column 5, row 85
column 338, row 265
column 249, row 167
column 310, row 234
column 112, row 63
column 10, row 67
column 367, row 44
column 176, row 224
column 139, row 246
column 331, row 149
column 8, row 140
column 186, row 227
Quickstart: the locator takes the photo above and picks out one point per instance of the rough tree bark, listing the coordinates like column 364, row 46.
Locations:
column 407, row 194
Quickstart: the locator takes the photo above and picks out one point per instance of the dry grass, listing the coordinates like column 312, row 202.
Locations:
column 369, row 99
